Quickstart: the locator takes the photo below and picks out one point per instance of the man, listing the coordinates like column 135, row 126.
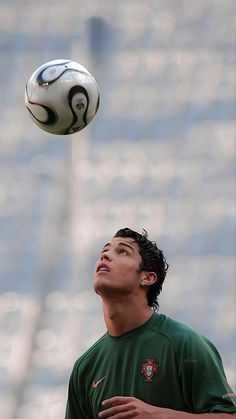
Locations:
column 146, row 365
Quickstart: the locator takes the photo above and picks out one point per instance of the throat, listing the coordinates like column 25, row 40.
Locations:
column 119, row 320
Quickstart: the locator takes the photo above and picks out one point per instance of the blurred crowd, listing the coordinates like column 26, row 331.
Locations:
column 159, row 155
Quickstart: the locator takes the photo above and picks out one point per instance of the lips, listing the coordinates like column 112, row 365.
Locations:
column 103, row 267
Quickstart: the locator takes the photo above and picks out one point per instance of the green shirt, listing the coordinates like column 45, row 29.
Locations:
column 163, row 362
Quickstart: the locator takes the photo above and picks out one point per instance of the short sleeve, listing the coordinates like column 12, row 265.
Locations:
column 76, row 401
column 204, row 384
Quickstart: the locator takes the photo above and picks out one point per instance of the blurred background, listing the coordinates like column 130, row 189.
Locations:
column 159, row 155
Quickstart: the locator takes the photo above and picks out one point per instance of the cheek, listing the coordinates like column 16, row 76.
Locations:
column 129, row 272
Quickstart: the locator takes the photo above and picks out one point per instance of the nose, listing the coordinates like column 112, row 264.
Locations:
column 105, row 256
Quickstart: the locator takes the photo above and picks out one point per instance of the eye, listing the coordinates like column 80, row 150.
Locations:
column 123, row 251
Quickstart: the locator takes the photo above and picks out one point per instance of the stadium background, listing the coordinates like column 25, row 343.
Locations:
column 159, row 155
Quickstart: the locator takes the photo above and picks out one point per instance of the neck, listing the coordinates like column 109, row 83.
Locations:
column 121, row 317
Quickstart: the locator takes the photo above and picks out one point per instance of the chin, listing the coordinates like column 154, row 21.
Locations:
column 108, row 290
column 100, row 286
column 103, row 287
column 96, row 289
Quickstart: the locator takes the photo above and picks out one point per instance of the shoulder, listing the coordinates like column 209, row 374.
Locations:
column 92, row 352
column 183, row 337
column 171, row 328
column 194, row 353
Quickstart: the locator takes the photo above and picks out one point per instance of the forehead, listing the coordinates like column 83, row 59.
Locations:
column 123, row 241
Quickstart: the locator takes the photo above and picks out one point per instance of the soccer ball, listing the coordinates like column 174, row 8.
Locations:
column 62, row 97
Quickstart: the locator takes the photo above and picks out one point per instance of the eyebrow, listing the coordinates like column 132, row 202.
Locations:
column 119, row 244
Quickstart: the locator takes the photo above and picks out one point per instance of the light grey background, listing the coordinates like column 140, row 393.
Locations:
column 160, row 155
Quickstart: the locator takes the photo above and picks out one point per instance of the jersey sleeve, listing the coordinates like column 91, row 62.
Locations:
column 204, row 384
column 76, row 401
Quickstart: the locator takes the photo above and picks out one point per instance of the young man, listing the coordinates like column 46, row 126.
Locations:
column 146, row 365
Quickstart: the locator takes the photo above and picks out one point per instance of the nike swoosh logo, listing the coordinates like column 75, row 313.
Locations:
column 95, row 384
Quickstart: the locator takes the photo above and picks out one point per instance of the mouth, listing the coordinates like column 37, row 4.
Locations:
column 103, row 267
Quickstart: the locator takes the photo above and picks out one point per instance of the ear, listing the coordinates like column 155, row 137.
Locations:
column 148, row 279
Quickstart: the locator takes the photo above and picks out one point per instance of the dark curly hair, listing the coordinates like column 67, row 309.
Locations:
column 153, row 260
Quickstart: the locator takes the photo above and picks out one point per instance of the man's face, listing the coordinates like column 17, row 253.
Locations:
column 117, row 271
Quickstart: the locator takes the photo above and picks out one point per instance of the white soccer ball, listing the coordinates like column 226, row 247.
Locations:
column 62, row 97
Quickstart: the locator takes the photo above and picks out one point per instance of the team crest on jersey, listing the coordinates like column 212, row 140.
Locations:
column 149, row 369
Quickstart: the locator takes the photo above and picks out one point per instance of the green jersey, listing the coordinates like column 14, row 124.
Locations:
column 163, row 363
